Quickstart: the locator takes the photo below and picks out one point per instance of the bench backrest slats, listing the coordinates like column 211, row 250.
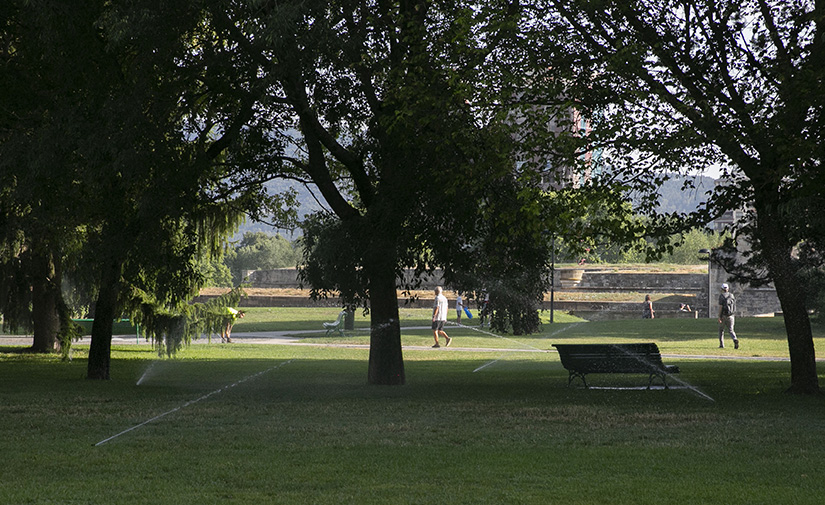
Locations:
column 611, row 358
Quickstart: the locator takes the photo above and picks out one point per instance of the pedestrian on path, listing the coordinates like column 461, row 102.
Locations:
column 484, row 308
column 440, row 308
column 647, row 311
column 459, row 307
column 727, row 306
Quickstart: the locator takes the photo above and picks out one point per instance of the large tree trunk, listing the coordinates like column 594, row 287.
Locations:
column 800, row 339
column 791, row 294
column 100, row 349
column 386, row 363
column 45, row 293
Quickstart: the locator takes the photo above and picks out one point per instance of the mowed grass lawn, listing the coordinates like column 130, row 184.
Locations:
column 488, row 420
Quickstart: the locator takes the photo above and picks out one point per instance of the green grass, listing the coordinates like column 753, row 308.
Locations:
column 310, row 430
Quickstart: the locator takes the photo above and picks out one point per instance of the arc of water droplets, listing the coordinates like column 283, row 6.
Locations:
column 204, row 397
column 512, row 340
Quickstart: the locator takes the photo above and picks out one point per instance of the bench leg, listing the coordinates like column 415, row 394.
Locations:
column 664, row 380
column 573, row 375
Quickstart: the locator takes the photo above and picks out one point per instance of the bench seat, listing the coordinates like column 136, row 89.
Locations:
column 338, row 325
column 583, row 359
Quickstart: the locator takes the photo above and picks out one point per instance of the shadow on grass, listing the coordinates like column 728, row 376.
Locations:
column 16, row 350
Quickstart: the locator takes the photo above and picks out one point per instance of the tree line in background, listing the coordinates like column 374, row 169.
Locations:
column 266, row 251
column 253, row 251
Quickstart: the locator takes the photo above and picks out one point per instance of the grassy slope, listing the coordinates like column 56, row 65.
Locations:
column 470, row 427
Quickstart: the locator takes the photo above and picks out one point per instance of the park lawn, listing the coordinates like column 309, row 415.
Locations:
column 760, row 337
column 298, row 424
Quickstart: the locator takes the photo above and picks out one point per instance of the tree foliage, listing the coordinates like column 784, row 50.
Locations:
column 680, row 86
column 109, row 150
column 391, row 111
column 40, row 109
column 170, row 328
column 427, row 128
column 260, row 251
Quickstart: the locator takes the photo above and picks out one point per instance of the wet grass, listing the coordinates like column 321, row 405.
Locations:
column 295, row 424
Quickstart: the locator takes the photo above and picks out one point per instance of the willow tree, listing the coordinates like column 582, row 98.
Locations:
column 161, row 191
column 681, row 85
column 113, row 147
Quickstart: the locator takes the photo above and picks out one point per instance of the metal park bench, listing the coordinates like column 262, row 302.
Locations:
column 338, row 325
column 583, row 359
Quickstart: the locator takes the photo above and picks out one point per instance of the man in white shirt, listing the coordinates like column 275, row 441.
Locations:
column 440, row 309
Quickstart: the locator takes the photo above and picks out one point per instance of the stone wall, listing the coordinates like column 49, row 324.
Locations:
column 281, row 278
column 621, row 281
column 749, row 301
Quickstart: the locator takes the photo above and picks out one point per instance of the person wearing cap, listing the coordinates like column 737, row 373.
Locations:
column 727, row 307
column 230, row 316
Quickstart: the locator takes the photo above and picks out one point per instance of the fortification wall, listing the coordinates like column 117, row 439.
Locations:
column 750, row 301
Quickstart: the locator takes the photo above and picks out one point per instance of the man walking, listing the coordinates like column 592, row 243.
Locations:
column 440, row 309
column 727, row 306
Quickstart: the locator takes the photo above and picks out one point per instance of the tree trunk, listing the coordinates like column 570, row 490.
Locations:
column 386, row 363
column 791, row 294
column 45, row 293
column 798, row 328
column 100, row 349
column 804, row 378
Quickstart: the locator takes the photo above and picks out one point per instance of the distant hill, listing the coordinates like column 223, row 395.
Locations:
column 307, row 205
column 672, row 198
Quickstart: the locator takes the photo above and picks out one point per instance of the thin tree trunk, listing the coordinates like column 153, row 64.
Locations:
column 100, row 349
column 45, row 293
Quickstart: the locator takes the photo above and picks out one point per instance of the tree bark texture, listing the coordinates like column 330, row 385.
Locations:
column 100, row 349
column 791, row 293
column 45, row 293
column 386, row 363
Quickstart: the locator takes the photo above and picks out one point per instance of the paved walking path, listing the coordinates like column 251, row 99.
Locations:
column 290, row 338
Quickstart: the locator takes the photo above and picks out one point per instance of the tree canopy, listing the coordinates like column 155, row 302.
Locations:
column 370, row 104
column 104, row 157
column 682, row 86
column 471, row 137
column 260, row 251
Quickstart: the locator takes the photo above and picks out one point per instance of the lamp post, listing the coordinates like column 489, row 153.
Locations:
column 552, row 278
column 708, row 252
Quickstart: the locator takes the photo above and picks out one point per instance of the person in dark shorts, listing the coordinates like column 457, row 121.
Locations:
column 440, row 308
column 727, row 307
